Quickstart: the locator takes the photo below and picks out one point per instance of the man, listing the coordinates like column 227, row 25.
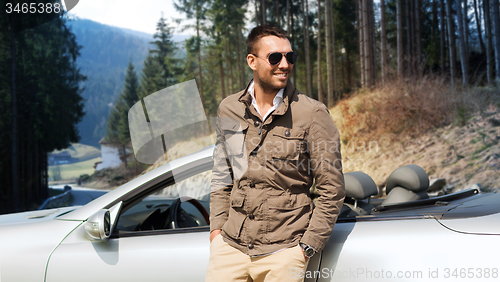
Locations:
column 271, row 143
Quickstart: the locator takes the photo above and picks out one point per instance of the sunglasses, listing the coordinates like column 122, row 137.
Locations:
column 275, row 58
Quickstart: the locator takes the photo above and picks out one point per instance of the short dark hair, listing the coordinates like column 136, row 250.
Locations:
column 262, row 31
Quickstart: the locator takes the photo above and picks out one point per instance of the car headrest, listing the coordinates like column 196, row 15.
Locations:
column 401, row 195
column 411, row 177
column 359, row 185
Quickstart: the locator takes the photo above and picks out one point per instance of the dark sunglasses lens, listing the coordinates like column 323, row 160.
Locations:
column 275, row 58
column 291, row 57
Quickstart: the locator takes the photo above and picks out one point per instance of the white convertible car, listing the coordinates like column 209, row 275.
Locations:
column 155, row 228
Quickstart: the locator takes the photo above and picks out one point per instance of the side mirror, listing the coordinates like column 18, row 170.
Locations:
column 100, row 225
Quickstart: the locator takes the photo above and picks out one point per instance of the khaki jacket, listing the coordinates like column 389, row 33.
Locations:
column 263, row 171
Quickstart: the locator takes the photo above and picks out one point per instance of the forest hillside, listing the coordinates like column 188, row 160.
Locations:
column 106, row 52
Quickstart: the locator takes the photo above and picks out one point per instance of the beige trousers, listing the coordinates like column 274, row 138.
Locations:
column 229, row 264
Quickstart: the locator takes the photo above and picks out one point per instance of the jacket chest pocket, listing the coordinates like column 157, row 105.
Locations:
column 288, row 144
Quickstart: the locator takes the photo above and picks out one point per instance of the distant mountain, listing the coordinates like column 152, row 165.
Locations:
column 105, row 55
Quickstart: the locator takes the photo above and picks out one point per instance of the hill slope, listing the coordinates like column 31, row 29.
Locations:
column 104, row 57
column 451, row 132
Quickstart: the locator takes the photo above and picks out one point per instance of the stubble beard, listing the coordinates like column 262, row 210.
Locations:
column 271, row 87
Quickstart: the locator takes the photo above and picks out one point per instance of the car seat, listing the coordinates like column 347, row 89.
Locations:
column 407, row 183
column 359, row 187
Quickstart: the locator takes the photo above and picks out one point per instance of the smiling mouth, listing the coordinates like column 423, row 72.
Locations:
column 281, row 75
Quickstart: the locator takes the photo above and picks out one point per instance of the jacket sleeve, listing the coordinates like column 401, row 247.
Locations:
column 326, row 166
column 222, row 181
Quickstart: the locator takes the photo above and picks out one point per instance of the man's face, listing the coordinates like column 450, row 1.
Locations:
column 270, row 77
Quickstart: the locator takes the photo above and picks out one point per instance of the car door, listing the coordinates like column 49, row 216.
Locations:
column 170, row 255
column 144, row 246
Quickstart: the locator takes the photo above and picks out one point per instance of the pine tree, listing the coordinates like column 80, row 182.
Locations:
column 113, row 122
column 165, row 52
column 263, row 11
column 320, row 55
column 463, row 49
column 400, row 38
column 478, row 26
column 451, row 41
column 129, row 97
column 195, row 9
column 489, row 41
column 409, row 38
column 334, row 52
column 367, row 43
column 329, row 64
column 442, row 36
column 496, row 32
column 151, row 80
column 305, row 27
column 383, row 41
column 346, row 39
column 117, row 131
column 40, row 95
column 418, row 40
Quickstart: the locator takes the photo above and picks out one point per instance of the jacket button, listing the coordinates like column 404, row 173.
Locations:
column 287, row 133
column 251, row 217
column 252, row 185
column 256, row 123
column 250, row 246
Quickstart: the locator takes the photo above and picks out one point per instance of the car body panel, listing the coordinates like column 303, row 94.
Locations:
column 481, row 225
column 478, row 205
column 26, row 247
column 33, row 216
column 163, row 255
column 414, row 248
column 181, row 256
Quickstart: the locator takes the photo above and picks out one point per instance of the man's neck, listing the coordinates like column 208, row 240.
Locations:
column 263, row 95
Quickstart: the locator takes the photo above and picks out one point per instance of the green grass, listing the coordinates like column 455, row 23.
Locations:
column 82, row 152
column 72, row 171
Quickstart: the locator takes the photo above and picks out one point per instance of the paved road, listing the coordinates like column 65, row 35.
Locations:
column 82, row 195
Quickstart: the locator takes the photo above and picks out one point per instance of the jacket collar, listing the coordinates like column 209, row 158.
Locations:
column 288, row 94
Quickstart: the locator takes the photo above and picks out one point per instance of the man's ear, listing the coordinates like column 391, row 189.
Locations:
column 251, row 61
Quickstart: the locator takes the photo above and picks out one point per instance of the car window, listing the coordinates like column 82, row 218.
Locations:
column 189, row 197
